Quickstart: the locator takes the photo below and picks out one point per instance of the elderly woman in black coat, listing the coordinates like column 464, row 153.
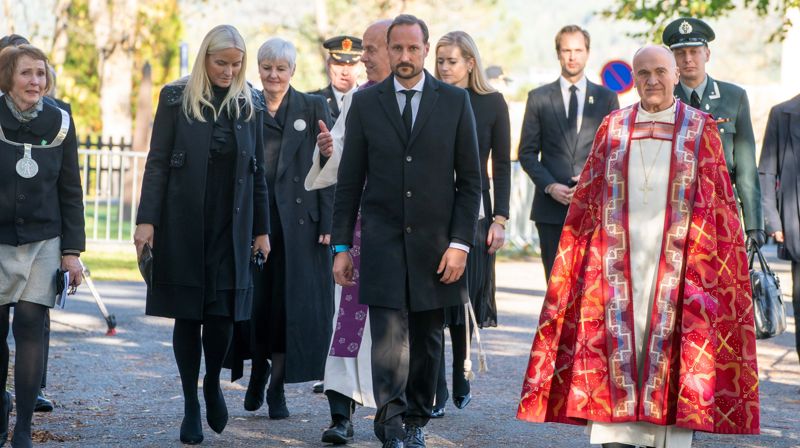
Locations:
column 203, row 203
column 293, row 302
column 41, row 222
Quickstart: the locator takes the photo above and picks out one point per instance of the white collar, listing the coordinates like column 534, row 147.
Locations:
column 339, row 93
column 418, row 86
column 581, row 84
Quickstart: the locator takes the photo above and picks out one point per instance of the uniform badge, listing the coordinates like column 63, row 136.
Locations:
column 347, row 45
column 685, row 28
column 299, row 125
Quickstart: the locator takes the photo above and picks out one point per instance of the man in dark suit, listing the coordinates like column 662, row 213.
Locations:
column 688, row 39
column 560, row 121
column 408, row 135
column 779, row 173
column 344, row 54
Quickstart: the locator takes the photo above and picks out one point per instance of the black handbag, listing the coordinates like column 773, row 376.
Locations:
column 146, row 264
column 768, row 308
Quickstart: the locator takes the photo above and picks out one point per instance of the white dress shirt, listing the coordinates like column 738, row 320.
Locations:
column 339, row 95
column 401, row 103
column 580, row 93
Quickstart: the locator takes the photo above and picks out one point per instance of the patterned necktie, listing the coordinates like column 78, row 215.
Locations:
column 572, row 113
column 694, row 101
column 407, row 118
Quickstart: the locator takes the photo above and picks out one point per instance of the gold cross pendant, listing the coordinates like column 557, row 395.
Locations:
column 645, row 189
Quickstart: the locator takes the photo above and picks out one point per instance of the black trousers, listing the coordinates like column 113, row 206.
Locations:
column 341, row 406
column 46, row 347
column 406, row 349
column 796, row 304
column 549, row 234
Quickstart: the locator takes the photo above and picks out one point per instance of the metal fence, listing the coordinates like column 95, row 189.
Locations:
column 111, row 177
column 112, row 174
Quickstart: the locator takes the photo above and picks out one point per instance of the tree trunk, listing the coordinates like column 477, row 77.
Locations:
column 114, row 24
column 58, row 51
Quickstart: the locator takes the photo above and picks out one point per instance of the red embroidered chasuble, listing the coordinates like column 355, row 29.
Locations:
column 700, row 371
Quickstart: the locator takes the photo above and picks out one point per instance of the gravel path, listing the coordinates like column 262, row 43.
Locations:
column 125, row 391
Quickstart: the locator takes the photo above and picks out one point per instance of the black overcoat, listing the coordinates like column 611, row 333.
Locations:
column 304, row 216
column 779, row 173
column 173, row 192
column 413, row 206
column 330, row 100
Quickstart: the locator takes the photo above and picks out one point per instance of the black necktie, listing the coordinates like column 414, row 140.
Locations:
column 572, row 113
column 407, row 118
column 694, row 101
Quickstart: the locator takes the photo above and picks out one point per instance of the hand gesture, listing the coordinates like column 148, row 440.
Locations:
column 324, row 140
column 343, row 272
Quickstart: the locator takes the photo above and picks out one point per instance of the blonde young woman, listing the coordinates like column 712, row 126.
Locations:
column 459, row 63
column 203, row 204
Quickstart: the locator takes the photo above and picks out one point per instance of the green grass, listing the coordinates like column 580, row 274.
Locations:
column 106, row 215
column 115, row 262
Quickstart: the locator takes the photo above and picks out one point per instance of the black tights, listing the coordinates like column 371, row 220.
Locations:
column 188, row 345
column 28, row 329
column 460, row 385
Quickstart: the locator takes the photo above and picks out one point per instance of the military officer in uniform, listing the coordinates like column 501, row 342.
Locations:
column 344, row 54
column 688, row 39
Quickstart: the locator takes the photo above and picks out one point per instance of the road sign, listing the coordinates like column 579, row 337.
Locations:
column 617, row 75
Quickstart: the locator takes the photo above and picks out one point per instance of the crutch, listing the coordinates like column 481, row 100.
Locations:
column 111, row 320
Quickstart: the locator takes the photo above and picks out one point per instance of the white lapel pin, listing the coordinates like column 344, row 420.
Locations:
column 591, row 100
column 299, row 125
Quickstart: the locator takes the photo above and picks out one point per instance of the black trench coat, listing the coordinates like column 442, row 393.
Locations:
column 173, row 191
column 304, row 215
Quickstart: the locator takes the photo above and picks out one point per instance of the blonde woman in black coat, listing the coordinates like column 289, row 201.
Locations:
column 203, row 203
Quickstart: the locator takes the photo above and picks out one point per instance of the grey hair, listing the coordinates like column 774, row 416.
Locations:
column 277, row 49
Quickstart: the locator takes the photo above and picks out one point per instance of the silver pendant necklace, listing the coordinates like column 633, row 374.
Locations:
column 26, row 166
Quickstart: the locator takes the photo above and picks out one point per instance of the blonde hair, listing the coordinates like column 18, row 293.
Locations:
column 477, row 79
column 198, row 94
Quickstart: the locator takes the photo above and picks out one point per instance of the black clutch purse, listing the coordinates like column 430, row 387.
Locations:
column 146, row 264
column 768, row 308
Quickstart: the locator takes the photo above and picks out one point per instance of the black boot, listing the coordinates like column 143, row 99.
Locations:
column 216, row 409
column 276, row 400
column 254, row 397
column 340, row 432
column 5, row 410
column 191, row 426
column 42, row 403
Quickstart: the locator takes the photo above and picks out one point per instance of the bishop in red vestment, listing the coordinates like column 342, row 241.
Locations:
column 622, row 349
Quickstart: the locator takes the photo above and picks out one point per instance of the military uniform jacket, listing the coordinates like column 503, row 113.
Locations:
column 412, row 206
column 173, row 197
column 330, row 98
column 50, row 204
column 728, row 104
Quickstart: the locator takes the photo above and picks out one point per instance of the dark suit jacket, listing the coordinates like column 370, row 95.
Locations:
column 779, row 173
column 330, row 98
column 728, row 103
column 545, row 151
column 412, row 206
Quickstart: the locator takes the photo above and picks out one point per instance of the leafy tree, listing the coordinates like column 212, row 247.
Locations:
column 658, row 13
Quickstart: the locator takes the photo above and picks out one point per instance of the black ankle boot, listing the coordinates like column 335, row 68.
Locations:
column 5, row 410
column 461, row 392
column 276, row 400
column 216, row 409
column 254, row 397
column 191, row 426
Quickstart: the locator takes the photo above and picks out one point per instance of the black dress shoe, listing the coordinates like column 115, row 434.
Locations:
column 318, row 387
column 4, row 413
column 42, row 403
column 463, row 401
column 216, row 409
column 415, row 437
column 339, row 433
column 437, row 412
column 393, row 443
column 276, row 401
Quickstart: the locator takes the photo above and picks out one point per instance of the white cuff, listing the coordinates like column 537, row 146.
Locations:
column 460, row 246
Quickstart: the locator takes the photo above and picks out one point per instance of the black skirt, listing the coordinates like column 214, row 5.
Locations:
column 480, row 283
column 268, row 322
